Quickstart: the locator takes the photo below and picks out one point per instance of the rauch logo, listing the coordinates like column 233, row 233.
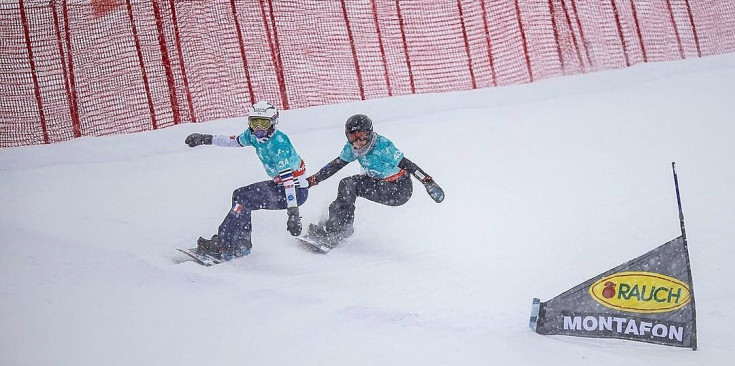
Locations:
column 640, row 292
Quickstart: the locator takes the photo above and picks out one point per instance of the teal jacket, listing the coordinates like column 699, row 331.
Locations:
column 380, row 162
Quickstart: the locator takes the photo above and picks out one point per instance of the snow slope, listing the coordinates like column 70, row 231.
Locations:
column 548, row 184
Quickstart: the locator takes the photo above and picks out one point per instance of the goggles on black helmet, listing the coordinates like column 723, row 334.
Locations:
column 357, row 136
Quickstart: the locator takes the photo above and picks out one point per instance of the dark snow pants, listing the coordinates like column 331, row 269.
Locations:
column 391, row 193
column 237, row 226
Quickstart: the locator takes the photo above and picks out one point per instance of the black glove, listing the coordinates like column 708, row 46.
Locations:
column 293, row 225
column 196, row 139
column 435, row 192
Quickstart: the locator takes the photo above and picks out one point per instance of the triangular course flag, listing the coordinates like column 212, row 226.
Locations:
column 647, row 299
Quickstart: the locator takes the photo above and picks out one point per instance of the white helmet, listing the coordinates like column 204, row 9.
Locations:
column 264, row 109
column 262, row 119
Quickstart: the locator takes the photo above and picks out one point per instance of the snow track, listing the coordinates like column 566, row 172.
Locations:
column 547, row 185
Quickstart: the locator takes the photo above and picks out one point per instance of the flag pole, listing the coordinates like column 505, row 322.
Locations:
column 686, row 253
column 678, row 201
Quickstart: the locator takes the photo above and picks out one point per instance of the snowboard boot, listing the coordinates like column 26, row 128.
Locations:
column 330, row 235
column 228, row 250
column 242, row 246
column 211, row 247
column 340, row 230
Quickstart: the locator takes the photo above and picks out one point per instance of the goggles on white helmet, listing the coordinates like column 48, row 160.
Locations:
column 262, row 119
column 259, row 123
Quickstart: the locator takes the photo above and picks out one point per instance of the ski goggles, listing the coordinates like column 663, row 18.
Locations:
column 260, row 123
column 354, row 137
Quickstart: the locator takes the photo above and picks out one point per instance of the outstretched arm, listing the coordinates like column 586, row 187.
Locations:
column 196, row 139
column 433, row 189
column 414, row 169
column 327, row 171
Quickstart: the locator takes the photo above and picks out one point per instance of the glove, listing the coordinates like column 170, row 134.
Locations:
column 196, row 139
column 312, row 180
column 435, row 192
column 293, row 225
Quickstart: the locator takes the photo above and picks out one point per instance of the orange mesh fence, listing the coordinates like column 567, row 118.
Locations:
column 71, row 68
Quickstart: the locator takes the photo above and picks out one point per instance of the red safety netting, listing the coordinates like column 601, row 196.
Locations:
column 71, row 68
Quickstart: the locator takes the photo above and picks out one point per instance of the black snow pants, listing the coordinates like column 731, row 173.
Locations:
column 390, row 193
column 236, row 227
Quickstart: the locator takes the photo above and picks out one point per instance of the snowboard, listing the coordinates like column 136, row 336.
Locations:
column 314, row 245
column 200, row 258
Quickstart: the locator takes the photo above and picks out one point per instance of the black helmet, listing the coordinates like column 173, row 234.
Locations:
column 358, row 122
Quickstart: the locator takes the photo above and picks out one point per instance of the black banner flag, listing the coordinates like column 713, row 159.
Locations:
column 648, row 299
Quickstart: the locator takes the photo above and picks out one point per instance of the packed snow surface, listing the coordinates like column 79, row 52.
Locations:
column 548, row 184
